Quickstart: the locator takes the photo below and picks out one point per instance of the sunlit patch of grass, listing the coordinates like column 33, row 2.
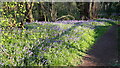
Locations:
column 48, row 44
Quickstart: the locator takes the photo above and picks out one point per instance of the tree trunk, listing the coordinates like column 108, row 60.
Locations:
column 93, row 8
column 29, row 16
column 53, row 12
column 90, row 9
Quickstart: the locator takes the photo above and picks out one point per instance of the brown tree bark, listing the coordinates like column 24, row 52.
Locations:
column 53, row 12
column 29, row 16
column 93, row 9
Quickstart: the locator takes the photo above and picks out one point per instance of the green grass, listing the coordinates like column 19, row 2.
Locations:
column 48, row 44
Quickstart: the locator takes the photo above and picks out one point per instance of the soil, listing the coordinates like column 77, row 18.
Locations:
column 104, row 52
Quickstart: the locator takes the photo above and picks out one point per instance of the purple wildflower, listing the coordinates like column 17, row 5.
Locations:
column 1, row 63
column 44, row 49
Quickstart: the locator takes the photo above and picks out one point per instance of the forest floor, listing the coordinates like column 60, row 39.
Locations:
column 105, row 52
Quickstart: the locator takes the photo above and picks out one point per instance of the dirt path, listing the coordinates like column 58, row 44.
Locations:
column 105, row 52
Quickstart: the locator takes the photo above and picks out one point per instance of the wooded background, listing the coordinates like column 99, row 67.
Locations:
column 16, row 12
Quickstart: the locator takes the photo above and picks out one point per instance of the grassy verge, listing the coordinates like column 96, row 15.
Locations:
column 48, row 44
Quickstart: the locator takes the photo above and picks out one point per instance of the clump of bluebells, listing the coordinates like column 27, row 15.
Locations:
column 48, row 43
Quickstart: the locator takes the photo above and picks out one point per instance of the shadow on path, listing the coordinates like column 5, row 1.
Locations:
column 104, row 52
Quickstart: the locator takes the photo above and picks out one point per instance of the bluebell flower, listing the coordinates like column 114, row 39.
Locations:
column 30, row 53
column 41, row 56
column 55, row 41
column 44, row 49
column 35, row 55
column 3, row 46
column 1, row 63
